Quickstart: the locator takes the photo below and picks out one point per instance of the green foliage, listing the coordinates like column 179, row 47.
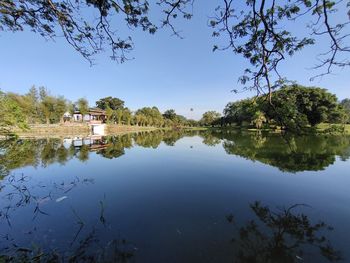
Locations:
column 119, row 114
column 70, row 107
column 345, row 104
column 210, row 118
column 39, row 106
column 265, row 34
column 45, row 152
column 291, row 153
column 288, row 153
column 292, row 107
column 149, row 117
column 259, row 119
column 280, row 235
column 334, row 129
column 127, row 116
column 90, row 36
column 11, row 115
column 83, row 106
column 170, row 114
column 109, row 102
column 240, row 111
column 171, row 119
column 53, row 108
column 109, row 114
column 315, row 103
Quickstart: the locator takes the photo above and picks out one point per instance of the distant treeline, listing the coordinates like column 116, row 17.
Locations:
column 39, row 106
column 292, row 107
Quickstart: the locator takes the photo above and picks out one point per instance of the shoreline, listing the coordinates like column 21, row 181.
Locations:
column 82, row 130
column 74, row 130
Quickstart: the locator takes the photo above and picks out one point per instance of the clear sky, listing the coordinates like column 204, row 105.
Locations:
column 167, row 72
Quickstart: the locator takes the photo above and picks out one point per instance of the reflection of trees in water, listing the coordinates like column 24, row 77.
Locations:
column 19, row 192
column 154, row 138
column 83, row 154
column 115, row 146
column 149, row 139
column 285, row 235
column 20, row 153
column 210, row 138
column 44, row 152
column 90, row 249
column 288, row 153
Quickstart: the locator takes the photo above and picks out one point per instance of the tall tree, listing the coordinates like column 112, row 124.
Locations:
column 61, row 107
column 10, row 115
column 170, row 114
column 210, row 118
column 71, row 108
column 110, row 114
column 33, row 98
column 47, row 107
column 259, row 119
column 127, row 115
column 83, row 106
column 345, row 104
column 113, row 103
column 119, row 115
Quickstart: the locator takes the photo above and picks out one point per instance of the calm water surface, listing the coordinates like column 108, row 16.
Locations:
column 175, row 196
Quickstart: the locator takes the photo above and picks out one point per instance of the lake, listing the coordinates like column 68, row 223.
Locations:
column 176, row 196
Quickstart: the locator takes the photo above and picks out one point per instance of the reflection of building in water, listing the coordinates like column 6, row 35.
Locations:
column 94, row 142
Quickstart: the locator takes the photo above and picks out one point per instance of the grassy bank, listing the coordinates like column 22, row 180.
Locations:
column 321, row 128
column 117, row 129
column 74, row 130
column 83, row 130
column 54, row 130
column 324, row 127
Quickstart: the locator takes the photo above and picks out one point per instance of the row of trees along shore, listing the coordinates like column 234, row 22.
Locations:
column 38, row 106
column 292, row 107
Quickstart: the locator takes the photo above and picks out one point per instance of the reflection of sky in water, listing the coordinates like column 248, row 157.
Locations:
column 171, row 202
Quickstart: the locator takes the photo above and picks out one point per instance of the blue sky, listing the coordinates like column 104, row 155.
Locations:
column 167, row 72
